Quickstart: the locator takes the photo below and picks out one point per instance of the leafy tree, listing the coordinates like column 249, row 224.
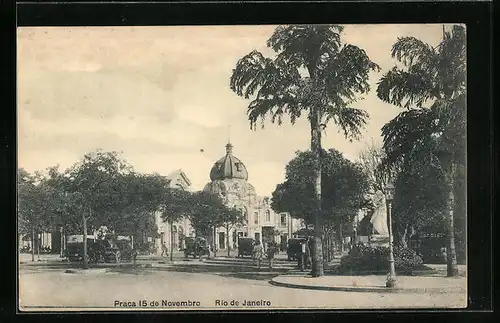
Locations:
column 94, row 185
column 371, row 160
column 205, row 212
column 419, row 201
column 312, row 73
column 343, row 186
column 429, row 83
column 229, row 218
column 176, row 204
column 139, row 197
column 34, row 206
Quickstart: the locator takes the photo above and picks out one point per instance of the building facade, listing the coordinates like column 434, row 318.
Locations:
column 229, row 180
column 173, row 233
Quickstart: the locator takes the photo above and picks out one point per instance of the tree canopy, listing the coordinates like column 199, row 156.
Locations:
column 343, row 187
column 430, row 84
column 312, row 71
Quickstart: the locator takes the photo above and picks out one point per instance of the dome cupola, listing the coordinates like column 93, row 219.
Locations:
column 228, row 167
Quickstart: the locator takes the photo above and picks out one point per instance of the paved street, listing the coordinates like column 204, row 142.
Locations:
column 196, row 281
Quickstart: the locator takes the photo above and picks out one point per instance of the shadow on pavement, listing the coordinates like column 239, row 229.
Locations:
column 262, row 276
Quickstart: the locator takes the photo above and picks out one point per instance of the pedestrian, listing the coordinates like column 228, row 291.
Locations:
column 272, row 250
column 164, row 249
column 258, row 253
column 134, row 256
column 308, row 253
column 302, row 256
column 444, row 255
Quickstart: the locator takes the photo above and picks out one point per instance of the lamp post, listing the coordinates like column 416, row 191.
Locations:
column 389, row 196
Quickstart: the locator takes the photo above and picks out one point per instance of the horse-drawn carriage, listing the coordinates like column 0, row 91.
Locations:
column 99, row 250
column 196, row 247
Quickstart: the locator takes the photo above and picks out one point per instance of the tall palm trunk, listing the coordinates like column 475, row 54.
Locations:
column 451, row 255
column 317, row 264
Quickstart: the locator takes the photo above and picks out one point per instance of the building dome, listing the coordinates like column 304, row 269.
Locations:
column 228, row 167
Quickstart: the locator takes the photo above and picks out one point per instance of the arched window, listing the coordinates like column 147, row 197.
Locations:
column 268, row 216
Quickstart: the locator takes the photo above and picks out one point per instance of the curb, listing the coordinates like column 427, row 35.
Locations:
column 366, row 289
column 86, row 271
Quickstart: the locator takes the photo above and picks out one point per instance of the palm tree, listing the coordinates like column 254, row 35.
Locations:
column 313, row 73
column 430, row 86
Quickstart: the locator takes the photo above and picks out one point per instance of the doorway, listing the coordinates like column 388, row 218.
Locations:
column 283, row 242
column 222, row 240
column 267, row 234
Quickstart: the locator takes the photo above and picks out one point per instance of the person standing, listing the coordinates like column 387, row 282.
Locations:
column 258, row 253
column 302, row 251
column 444, row 255
column 164, row 249
column 308, row 253
column 272, row 250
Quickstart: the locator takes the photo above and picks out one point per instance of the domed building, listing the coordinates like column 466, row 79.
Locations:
column 229, row 180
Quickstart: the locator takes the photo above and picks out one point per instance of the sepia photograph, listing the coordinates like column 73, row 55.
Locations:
column 242, row 167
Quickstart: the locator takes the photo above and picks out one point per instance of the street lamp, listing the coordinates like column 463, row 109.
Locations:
column 389, row 196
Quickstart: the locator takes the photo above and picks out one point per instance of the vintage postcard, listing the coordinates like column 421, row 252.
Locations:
column 242, row 167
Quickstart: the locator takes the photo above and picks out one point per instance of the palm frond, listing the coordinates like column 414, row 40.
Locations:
column 410, row 129
column 275, row 107
column 346, row 75
column 408, row 50
column 250, row 73
column 350, row 120
column 303, row 45
column 405, row 89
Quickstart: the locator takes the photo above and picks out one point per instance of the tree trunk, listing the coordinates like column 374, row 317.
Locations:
column 341, row 238
column 403, row 238
column 62, row 242
column 317, row 264
column 327, row 246
column 227, row 240
column 451, row 255
column 33, row 244
column 410, row 236
column 85, row 257
column 38, row 247
column 214, row 242
column 171, row 241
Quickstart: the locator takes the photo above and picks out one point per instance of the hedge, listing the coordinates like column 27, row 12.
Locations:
column 365, row 259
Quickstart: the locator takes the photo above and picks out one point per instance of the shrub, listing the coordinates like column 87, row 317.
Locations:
column 364, row 258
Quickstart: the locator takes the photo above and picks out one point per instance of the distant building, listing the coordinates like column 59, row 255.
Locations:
column 173, row 233
column 229, row 180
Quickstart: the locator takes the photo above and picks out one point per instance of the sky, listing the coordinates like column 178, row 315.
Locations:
column 161, row 97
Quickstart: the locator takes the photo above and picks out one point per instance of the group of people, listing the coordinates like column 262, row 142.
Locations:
column 259, row 253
